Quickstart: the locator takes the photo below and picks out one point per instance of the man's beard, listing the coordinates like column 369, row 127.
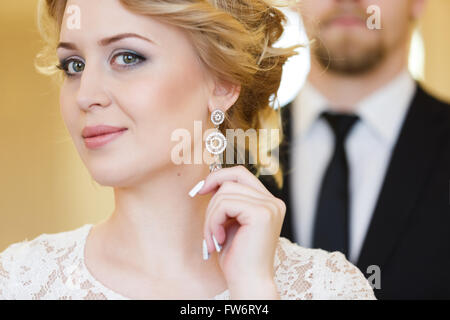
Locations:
column 344, row 58
column 346, row 52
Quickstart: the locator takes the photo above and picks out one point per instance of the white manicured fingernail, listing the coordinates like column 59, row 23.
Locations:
column 205, row 250
column 216, row 244
column 196, row 189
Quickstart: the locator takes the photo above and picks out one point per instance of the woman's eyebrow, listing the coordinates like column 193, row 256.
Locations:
column 106, row 41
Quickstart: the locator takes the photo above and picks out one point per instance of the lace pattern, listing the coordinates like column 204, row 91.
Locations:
column 51, row 266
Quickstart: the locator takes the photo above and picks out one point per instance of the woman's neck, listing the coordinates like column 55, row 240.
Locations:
column 157, row 226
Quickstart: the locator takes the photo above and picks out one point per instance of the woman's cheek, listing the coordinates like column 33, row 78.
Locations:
column 69, row 110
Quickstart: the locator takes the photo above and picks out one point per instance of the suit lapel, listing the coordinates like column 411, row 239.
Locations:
column 410, row 163
column 285, row 160
column 285, row 164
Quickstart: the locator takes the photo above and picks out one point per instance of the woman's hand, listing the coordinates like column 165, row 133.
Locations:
column 246, row 219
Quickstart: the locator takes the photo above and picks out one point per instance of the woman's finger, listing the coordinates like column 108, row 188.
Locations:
column 238, row 188
column 231, row 187
column 237, row 174
column 223, row 196
column 245, row 209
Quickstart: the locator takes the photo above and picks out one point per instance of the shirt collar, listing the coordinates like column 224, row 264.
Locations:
column 383, row 111
column 307, row 107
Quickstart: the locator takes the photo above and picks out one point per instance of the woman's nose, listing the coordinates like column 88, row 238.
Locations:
column 92, row 90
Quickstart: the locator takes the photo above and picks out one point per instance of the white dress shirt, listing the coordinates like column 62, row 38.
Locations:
column 368, row 146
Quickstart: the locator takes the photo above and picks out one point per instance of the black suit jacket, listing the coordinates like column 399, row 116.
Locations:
column 409, row 233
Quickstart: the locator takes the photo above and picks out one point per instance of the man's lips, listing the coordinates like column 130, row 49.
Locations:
column 346, row 21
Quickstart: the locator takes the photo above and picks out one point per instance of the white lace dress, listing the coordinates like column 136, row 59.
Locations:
column 51, row 266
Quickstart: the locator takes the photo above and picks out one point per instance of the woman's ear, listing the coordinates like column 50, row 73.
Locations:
column 224, row 95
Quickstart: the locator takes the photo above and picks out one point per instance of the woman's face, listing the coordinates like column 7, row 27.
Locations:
column 131, row 71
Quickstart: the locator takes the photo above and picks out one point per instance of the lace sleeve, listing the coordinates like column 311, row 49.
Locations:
column 343, row 281
column 8, row 262
column 303, row 273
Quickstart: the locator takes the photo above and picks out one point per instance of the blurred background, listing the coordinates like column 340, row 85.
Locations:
column 45, row 187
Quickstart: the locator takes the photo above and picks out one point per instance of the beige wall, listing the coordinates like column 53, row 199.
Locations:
column 435, row 28
column 44, row 187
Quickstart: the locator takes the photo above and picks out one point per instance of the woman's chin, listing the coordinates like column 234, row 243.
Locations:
column 125, row 173
column 120, row 177
column 112, row 178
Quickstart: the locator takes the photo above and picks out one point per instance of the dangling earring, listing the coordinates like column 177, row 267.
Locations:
column 216, row 141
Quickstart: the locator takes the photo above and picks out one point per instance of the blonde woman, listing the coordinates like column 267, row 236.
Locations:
column 145, row 69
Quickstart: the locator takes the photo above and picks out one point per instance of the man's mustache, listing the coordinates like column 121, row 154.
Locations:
column 341, row 12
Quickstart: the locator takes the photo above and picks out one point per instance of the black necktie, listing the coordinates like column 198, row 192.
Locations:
column 331, row 226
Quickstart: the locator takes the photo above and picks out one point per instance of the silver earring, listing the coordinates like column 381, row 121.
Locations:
column 216, row 141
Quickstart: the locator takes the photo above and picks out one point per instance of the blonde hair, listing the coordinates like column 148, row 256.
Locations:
column 234, row 39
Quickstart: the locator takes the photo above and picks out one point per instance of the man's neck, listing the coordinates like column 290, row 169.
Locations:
column 346, row 91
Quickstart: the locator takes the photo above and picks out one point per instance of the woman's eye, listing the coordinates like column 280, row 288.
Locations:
column 71, row 66
column 74, row 66
column 127, row 58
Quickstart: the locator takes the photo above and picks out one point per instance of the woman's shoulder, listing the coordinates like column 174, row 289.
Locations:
column 46, row 244
column 304, row 273
column 27, row 262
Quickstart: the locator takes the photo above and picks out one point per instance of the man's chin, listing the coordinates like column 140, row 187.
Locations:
column 350, row 58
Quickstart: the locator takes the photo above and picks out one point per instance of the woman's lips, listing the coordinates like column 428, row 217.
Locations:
column 101, row 140
column 92, row 131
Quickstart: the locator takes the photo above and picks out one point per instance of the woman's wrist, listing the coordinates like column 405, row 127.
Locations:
column 256, row 289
